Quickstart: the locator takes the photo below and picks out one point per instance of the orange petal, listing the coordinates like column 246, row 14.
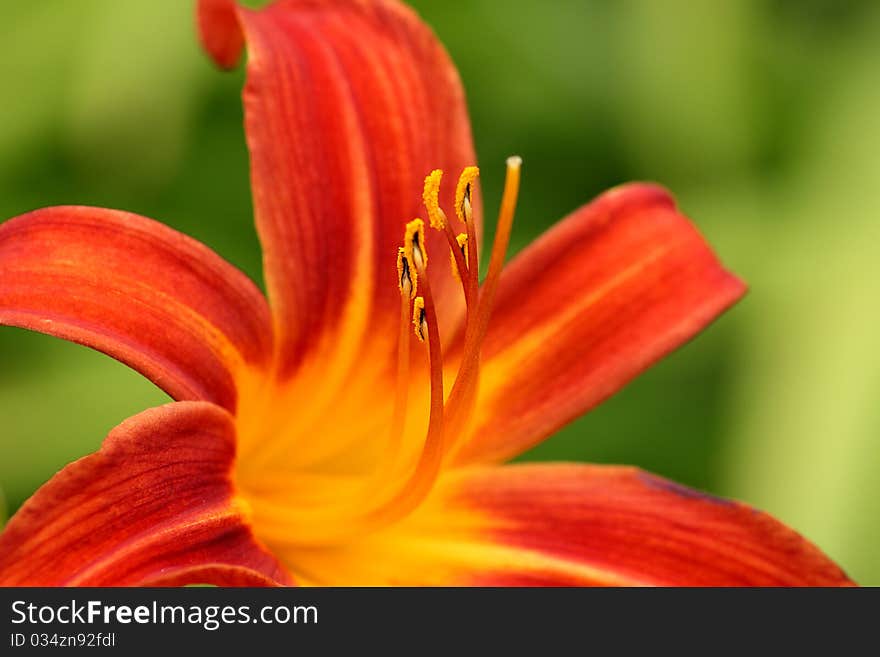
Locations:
column 617, row 525
column 138, row 291
column 155, row 505
column 592, row 303
column 348, row 106
column 574, row 525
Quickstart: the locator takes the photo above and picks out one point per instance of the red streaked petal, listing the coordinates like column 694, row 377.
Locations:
column 216, row 574
column 138, row 291
column 572, row 525
column 348, row 105
column 154, row 505
column 592, row 303
column 617, row 525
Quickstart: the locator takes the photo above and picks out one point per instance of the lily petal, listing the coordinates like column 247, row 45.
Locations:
column 138, row 291
column 155, row 505
column 581, row 525
column 595, row 301
column 348, row 105
column 216, row 574
column 616, row 525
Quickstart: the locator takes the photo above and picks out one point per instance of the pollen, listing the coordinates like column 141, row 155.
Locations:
column 414, row 244
column 407, row 278
column 431, row 198
column 420, row 319
column 463, row 193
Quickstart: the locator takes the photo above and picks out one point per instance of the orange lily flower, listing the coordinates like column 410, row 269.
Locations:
column 351, row 428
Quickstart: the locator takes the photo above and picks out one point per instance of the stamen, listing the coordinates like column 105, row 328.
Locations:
column 401, row 480
column 407, row 278
column 437, row 218
column 413, row 244
column 462, row 394
column 464, row 210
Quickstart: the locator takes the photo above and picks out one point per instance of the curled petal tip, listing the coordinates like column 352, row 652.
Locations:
column 219, row 31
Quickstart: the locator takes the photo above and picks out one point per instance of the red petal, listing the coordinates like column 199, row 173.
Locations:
column 154, row 505
column 216, row 574
column 134, row 289
column 218, row 28
column 617, row 526
column 588, row 306
column 349, row 105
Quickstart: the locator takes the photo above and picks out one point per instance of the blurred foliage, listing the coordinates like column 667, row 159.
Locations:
column 762, row 116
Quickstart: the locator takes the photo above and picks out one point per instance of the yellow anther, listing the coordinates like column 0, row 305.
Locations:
column 461, row 239
column 420, row 321
column 463, row 192
column 462, row 244
column 431, row 197
column 407, row 277
column 414, row 244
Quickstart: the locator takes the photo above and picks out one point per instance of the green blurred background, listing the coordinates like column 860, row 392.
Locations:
column 762, row 116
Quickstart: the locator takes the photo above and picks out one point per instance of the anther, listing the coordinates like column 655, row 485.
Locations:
column 420, row 319
column 413, row 244
column 431, row 198
column 463, row 193
column 407, row 278
column 438, row 220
